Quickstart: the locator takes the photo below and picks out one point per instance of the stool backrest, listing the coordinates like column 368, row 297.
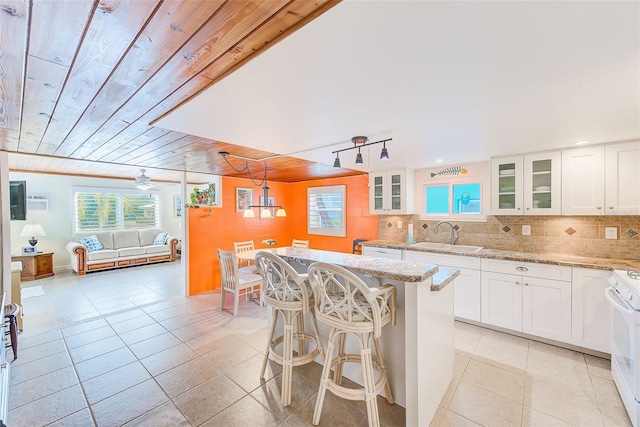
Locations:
column 228, row 269
column 282, row 286
column 342, row 299
column 300, row 243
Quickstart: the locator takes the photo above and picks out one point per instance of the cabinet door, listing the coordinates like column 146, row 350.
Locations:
column 466, row 295
column 396, row 192
column 546, row 308
column 501, row 296
column 623, row 179
column 591, row 312
column 506, row 186
column 583, row 181
column 542, row 180
column 377, row 193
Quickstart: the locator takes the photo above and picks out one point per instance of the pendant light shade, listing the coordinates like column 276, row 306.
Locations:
column 359, row 158
column 384, row 154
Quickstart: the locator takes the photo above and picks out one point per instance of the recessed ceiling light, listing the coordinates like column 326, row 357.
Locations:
column 439, row 160
column 582, row 142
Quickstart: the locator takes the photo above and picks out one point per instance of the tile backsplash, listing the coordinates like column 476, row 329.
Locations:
column 574, row 235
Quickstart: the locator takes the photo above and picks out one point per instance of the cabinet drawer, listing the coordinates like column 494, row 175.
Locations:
column 382, row 252
column 531, row 269
column 456, row 261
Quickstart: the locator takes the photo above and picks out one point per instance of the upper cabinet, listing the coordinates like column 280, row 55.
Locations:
column 391, row 192
column 526, row 185
column 583, row 181
column 622, row 179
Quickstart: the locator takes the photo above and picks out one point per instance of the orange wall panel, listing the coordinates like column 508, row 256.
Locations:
column 213, row 228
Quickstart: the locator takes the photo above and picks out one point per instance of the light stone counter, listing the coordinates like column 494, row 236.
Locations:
column 418, row 351
column 546, row 258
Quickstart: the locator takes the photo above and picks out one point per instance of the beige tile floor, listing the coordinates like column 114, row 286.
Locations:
column 124, row 348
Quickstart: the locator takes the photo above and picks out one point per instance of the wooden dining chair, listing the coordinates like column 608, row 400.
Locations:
column 231, row 280
column 300, row 244
column 245, row 266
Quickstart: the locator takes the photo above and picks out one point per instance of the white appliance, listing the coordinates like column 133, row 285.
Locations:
column 624, row 297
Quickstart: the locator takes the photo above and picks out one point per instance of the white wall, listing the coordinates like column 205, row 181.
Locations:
column 58, row 222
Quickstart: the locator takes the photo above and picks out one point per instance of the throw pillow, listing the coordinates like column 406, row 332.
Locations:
column 161, row 239
column 91, row 243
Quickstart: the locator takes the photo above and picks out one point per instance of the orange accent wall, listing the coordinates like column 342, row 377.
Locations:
column 210, row 229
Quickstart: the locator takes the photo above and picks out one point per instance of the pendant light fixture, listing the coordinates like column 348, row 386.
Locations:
column 360, row 142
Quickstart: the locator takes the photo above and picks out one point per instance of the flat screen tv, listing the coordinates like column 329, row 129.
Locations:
column 18, row 200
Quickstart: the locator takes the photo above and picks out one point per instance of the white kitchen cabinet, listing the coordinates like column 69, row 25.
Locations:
column 527, row 297
column 391, row 192
column 466, row 288
column 388, row 253
column 591, row 312
column 622, row 178
column 583, row 181
column 527, row 185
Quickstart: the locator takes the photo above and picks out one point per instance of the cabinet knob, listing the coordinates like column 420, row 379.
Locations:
column 526, row 284
column 528, row 208
column 517, row 283
column 611, row 207
column 599, row 207
column 522, row 269
column 518, row 208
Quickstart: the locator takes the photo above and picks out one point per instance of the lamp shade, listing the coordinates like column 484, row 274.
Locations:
column 281, row 212
column 32, row 230
column 248, row 213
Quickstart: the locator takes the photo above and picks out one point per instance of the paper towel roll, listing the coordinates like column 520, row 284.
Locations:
column 410, row 229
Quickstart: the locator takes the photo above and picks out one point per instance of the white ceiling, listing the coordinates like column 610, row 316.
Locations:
column 460, row 81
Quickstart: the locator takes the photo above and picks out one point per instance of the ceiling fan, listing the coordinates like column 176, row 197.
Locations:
column 143, row 182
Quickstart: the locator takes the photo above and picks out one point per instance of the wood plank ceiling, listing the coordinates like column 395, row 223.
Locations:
column 82, row 80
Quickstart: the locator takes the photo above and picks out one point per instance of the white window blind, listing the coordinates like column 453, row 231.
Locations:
column 327, row 210
column 114, row 209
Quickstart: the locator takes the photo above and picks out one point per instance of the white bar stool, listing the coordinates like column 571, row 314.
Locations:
column 346, row 304
column 287, row 293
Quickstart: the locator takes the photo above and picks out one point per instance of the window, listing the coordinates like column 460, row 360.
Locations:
column 461, row 200
column 327, row 211
column 113, row 209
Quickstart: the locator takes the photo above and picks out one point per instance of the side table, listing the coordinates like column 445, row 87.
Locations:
column 35, row 267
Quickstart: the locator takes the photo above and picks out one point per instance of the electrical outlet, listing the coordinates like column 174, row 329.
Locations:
column 611, row 233
column 526, row 230
column 400, row 225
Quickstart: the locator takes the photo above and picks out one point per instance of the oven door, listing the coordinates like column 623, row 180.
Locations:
column 625, row 348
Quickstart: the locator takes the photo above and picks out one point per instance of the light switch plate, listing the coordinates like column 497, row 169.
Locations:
column 611, row 233
column 526, row 230
column 399, row 224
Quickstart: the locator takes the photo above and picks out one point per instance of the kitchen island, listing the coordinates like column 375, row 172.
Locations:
column 418, row 351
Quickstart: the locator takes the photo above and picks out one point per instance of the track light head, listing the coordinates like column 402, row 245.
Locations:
column 384, row 154
column 359, row 158
column 336, row 162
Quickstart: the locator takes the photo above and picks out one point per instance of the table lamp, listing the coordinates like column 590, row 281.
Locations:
column 33, row 231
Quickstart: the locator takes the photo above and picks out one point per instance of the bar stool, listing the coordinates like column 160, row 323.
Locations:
column 288, row 294
column 357, row 246
column 346, row 304
column 11, row 312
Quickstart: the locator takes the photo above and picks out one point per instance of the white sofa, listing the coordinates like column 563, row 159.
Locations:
column 120, row 249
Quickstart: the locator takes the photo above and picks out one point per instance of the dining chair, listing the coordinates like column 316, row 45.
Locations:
column 288, row 293
column 346, row 304
column 245, row 266
column 300, row 244
column 235, row 282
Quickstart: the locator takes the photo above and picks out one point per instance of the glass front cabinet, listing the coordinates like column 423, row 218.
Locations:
column 526, row 185
column 388, row 192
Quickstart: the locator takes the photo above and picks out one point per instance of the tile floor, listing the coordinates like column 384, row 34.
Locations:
column 124, row 348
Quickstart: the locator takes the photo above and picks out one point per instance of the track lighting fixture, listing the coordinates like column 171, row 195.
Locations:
column 359, row 142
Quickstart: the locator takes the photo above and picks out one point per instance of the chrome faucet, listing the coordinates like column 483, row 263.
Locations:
column 454, row 233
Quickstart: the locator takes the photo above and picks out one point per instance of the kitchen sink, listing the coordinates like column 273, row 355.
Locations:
column 448, row 247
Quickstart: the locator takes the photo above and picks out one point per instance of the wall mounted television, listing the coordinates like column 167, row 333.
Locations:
column 18, row 200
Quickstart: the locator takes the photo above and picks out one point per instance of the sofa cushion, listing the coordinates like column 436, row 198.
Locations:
column 91, row 243
column 147, row 235
column 105, row 237
column 102, row 255
column 157, row 249
column 125, row 239
column 124, row 252
column 161, row 238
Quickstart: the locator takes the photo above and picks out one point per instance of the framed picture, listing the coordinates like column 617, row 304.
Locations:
column 177, row 206
column 244, row 198
column 29, row 250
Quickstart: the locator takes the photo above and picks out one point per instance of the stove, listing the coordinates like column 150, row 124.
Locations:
column 627, row 285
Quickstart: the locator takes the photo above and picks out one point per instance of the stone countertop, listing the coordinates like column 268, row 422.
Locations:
column 404, row 271
column 546, row 258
